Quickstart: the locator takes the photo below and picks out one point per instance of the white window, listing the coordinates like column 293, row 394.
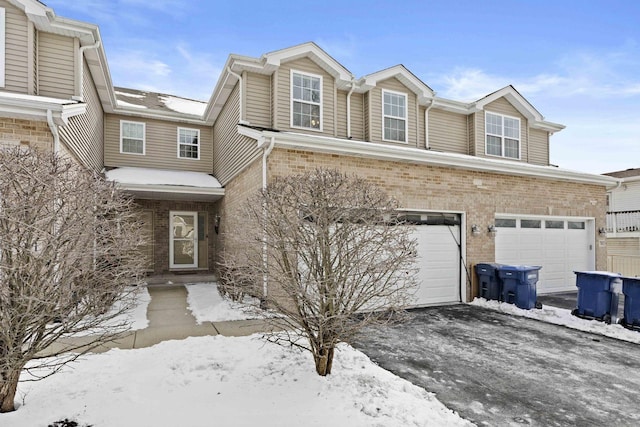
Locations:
column 132, row 137
column 2, row 46
column 306, row 100
column 188, row 143
column 394, row 116
column 503, row 135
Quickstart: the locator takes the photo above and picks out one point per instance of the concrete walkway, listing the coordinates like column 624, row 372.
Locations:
column 170, row 319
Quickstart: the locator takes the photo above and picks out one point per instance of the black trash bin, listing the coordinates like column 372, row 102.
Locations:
column 631, row 291
column 597, row 295
column 489, row 282
column 519, row 285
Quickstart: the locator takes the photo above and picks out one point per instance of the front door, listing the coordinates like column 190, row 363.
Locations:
column 183, row 240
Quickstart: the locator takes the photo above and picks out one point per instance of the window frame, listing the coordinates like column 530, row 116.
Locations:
column 293, row 100
column 144, row 137
column 405, row 118
column 502, row 136
column 180, row 143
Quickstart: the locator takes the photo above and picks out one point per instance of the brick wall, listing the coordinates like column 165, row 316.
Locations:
column 480, row 195
column 26, row 132
column 161, row 210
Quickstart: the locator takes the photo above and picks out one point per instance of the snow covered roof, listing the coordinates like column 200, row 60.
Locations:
column 152, row 183
column 158, row 102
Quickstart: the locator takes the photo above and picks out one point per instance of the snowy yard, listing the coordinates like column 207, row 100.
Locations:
column 223, row 381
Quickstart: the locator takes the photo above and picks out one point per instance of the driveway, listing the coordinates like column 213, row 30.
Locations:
column 500, row 370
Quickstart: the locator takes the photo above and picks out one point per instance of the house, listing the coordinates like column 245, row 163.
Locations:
column 474, row 177
column 623, row 223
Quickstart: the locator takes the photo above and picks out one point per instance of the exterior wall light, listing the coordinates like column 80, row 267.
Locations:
column 492, row 229
column 216, row 223
column 602, row 231
column 475, row 229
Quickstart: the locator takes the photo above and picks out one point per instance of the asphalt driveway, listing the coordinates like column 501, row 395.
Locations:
column 500, row 370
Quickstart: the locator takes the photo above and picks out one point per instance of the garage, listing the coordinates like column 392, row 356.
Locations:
column 439, row 258
column 560, row 245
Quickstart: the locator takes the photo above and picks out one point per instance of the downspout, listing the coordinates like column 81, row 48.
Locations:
column 265, row 153
column 54, row 132
column 353, row 87
column 80, row 70
column 241, row 94
column 426, row 124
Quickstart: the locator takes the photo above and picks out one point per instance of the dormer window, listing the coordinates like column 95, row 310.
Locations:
column 306, row 100
column 394, row 116
column 502, row 136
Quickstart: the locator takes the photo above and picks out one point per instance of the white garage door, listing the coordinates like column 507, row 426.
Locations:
column 439, row 264
column 560, row 245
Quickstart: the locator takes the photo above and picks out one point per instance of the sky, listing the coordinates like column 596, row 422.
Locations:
column 576, row 61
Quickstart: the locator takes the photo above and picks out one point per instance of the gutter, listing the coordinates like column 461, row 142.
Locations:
column 426, row 124
column 322, row 144
column 267, row 149
column 353, row 87
column 80, row 70
column 54, row 131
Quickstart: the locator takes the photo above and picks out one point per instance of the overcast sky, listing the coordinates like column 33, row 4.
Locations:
column 576, row 61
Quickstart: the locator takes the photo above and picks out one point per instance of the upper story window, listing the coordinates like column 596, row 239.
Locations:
column 306, row 100
column 503, row 135
column 188, row 143
column 132, row 137
column 394, row 115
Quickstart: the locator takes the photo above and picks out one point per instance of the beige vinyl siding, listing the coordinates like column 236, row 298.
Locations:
column 258, row 99
column 56, row 65
column 539, row 147
column 366, row 114
column 448, row 132
column 471, row 128
column 341, row 114
column 357, row 119
column 627, row 246
column 283, row 118
column 84, row 134
column 626, row 198
column 375, row 128
column 16, row 49
column 161, row 146
column 232, row 151
column 504, row 107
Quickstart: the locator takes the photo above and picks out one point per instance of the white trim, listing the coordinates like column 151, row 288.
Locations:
column 3, row 36
column 198, row 145
column 405, row 118
column 144, row 137
column 331, row 145
column 292, row 100
column 194, row 238
column 502, row 136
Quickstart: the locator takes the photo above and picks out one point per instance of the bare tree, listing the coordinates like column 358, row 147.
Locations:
column 69, row 249
column 333, row 254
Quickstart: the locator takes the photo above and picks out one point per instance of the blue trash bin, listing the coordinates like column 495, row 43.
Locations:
column 519, row 285
column 596, row 299
column 631, row 291
column 489, row 282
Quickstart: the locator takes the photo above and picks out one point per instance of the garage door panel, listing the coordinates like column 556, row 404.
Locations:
column 559, row 251
column 438, row 262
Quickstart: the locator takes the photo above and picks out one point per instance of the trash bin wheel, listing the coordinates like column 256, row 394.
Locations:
column 606, row 319
column 574, row 312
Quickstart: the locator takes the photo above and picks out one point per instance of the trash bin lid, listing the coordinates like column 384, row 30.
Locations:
column 520, row 267
column 599, row 273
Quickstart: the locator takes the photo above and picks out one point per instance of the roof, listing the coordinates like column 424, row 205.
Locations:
column 138, row 100
column 172, row 184
column 627, row 173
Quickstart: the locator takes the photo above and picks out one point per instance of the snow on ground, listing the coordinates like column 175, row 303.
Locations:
column 228, row 382
column 207, row 305
column 137, row 316
column 561, row 316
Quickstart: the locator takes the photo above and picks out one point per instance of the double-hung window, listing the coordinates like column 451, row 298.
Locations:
column 306, row 100
column 394, row 116
column 502, row 135
column 188, row 143
column 132, row 136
